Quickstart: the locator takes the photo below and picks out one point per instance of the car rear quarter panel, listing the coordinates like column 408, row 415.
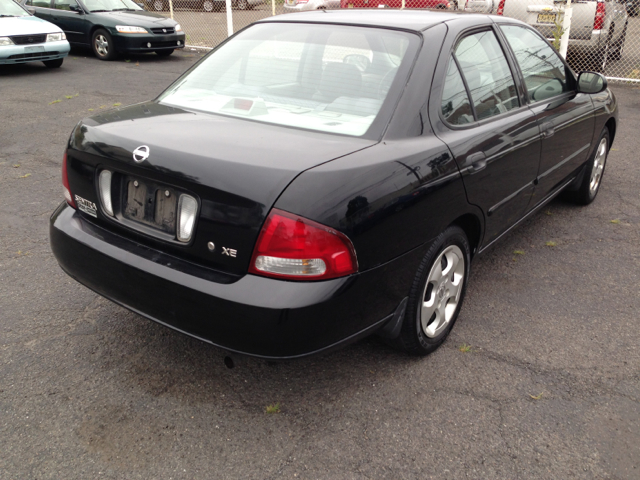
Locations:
column 388, row 199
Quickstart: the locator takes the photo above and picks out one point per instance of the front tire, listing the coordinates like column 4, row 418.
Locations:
column 57, row 63
column 594, row 170
column 437, row 293
column 102, row 45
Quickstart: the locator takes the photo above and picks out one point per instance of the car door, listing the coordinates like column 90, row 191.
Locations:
column 566, row 118
column 69, row 17
column 42, row 9
column 477, row 109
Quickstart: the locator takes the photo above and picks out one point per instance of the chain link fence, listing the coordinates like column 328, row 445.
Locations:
column 601, row 36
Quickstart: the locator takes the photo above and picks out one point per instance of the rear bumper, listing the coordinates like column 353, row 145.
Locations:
column 135, row 43
column 19, row 53
column 252, row 315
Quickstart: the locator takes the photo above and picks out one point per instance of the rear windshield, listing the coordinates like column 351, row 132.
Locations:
column 319, row 77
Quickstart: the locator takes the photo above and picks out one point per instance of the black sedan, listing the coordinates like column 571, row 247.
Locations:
column 324, row 176
column 111, row 26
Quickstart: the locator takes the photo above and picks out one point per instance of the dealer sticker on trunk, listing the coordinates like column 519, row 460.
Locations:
column 86, row 206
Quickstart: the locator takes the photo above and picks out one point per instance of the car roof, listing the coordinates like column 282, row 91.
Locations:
column 416, row 20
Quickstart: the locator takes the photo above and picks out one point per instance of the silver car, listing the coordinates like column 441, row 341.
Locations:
column 303, row 5
column 479, row 6
column 598, row 28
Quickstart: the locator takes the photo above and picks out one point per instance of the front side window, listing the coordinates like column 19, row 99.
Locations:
column 319, row 77
column 487, row 74
column 543, row 71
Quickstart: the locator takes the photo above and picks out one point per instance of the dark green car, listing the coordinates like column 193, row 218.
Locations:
column 110, row 26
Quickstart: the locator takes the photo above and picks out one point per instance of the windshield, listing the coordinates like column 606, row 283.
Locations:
column 319, row 77
column 110, row 5
column 9, row 8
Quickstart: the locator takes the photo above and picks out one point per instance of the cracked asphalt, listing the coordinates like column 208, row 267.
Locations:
column 550, row 387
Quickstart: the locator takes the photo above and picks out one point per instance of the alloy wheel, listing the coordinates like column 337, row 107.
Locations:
column 598, row 166
column 442, row 291
column 102, row 45
column 207, row 6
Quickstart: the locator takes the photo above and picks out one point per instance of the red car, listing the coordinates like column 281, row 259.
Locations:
column 439, row 4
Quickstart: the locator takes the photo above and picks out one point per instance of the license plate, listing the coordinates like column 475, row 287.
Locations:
column 291, row 2
column 33, row 49
column 350, row 5
column 546, row 18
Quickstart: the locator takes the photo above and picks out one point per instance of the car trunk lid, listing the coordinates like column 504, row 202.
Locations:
column 234, row 168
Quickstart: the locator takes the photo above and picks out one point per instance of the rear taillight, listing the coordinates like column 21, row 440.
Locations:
column 65, row 182
column 598, row 20
column 500, row 10
column 295, row 248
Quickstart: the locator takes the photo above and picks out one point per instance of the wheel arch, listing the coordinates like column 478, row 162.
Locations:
column 472, row 227
column 93, row 30
column 611, row 126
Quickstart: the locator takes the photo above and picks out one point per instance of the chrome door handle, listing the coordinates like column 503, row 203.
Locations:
column 547, row 129
column 478, row 162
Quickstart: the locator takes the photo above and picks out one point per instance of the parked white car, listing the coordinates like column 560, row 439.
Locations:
column 25, row 38
column 304, row 5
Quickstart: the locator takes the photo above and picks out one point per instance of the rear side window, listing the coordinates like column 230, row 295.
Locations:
column 543, row 71
column 487, row 74
column 64, row 4
column 456, row 108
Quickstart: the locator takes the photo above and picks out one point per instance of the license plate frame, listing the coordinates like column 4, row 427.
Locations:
column 35, row 49
column 547, row 18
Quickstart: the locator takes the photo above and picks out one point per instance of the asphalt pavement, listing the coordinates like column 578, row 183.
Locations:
column 540, row 377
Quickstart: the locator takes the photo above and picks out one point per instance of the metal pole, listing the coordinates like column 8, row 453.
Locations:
column 229, row 18
column 403, row 4
column 171, row 8
column 273, row 8
column 566, row 26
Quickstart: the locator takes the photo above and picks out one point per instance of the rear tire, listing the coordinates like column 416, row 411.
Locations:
column 437, row 293
column 208, row 5
column 164, row 53
column 593, row 173
column 617, row 50
column 598, row 61
column 57, row 63
column 102, row 45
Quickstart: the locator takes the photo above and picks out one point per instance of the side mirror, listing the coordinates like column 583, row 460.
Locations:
column 74, row 7
column 590, row 82
column 140, row 4
column 31, row 10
